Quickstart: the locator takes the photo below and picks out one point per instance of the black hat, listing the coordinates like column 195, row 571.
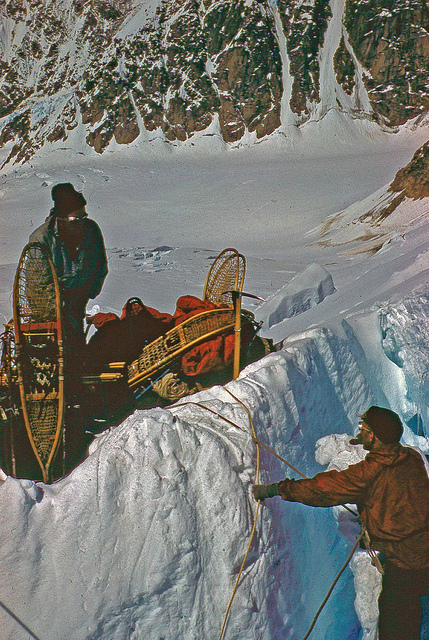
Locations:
column 67, row 199
column 384, row 423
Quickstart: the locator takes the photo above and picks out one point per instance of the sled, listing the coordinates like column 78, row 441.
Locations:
column 33, row 409
column 164, row 350
column 39, row 352
column 224, row 279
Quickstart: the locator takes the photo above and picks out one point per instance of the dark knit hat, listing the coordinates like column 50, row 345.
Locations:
column 67, row 200
column 384, row 423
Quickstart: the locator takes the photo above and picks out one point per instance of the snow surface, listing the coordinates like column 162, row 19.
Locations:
column 144, row 540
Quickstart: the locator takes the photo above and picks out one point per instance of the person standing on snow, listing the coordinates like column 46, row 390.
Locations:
column 77, row 248
column 391, row 490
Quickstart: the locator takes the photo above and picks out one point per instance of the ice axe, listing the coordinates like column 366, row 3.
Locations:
column 236, row 300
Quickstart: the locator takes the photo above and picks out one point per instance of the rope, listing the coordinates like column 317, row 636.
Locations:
column 372, row 554
column 254, row 520
column 256, row 439
column 252, row 533
column 363, row 535
column 333, row 585
column 14, row 617
column 171, row 387
column 240, row 572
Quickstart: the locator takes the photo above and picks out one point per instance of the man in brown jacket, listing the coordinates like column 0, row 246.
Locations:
column 391, row 490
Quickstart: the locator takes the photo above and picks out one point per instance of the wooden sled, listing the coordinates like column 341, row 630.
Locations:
column 39, row 352
column 32, row 367
column 224, row 278
column 161, row 352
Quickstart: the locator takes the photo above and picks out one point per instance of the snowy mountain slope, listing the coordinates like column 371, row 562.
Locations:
column 147, row 535
column 177, row 495
column 379, row 217
column 274, row 211
column 100, row 73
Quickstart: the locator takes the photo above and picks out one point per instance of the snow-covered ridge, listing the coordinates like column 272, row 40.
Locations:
column 305, row 290
column 145, row 538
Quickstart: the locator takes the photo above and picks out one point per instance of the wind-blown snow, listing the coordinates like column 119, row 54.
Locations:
column 144, row 540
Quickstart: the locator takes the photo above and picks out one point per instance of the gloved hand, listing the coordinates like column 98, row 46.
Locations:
column 262, row 491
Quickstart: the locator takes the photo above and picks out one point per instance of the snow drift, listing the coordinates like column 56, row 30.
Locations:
column 305, row 290
column 145, row 538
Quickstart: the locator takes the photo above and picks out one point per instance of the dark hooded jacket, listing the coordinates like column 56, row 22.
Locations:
column 84, row 274
column 391, row 490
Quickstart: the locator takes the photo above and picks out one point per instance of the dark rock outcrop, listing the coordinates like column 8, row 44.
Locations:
column 390, row 38
column 116, row 69
column 413, row 180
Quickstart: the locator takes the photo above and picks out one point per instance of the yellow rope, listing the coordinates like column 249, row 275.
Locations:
column 332, row 586
column 262, row 444
column 363, row 535
column 252, row 533
column 258, row 444
column 256, row 440
column 254, row 520
column 240, row 572
column 253, row 431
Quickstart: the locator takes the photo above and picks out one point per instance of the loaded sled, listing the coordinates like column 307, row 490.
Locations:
column 49, row 411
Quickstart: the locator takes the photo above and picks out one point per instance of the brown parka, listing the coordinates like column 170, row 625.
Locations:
column 391, row 490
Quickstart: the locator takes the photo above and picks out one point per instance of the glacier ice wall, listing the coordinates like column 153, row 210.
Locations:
column 144, row 540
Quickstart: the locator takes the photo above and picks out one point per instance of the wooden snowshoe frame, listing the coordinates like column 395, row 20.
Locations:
column 224, row 283
column 225, row 275
column 39, row 352
column 162, row 351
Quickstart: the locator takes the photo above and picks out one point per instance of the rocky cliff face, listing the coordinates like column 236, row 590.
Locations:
column 390, row 39
column 114, row 70
column 413, row 180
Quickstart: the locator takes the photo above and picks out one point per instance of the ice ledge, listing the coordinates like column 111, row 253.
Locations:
column 305, row 290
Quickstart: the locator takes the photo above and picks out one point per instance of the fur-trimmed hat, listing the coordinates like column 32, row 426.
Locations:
column 67, row 200
column 384, row 423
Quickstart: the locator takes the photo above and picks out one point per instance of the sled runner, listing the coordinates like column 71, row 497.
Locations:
column 39, row 352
